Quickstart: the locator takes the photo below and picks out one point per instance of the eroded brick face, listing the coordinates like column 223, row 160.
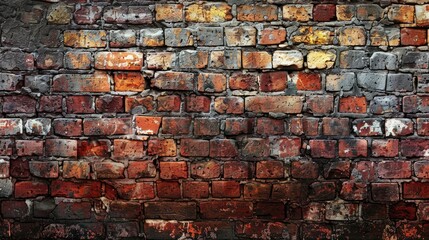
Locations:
column 225, row 119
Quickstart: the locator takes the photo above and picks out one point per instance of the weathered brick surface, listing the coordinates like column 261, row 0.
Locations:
column 226, row 119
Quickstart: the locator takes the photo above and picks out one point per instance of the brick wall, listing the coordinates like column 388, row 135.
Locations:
column 231, row 119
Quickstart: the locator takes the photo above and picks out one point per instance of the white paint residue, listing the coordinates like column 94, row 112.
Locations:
column 393, row 126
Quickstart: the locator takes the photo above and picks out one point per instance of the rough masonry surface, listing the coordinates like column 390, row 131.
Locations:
column 235, row 119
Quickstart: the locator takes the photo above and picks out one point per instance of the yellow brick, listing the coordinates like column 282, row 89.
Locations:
column 208, row 12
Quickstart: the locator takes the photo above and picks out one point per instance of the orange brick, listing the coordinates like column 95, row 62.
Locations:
column 353, row 104
column 85, row 38
column 119, row 60
column 307, row 81
column 169, row 12
column 257, row 60
column 129, row 81
column 271, row 36
column 148, row 125
column 257, row 13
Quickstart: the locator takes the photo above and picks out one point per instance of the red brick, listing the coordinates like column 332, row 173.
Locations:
column 364, row 171
column 351, row 148
column 273, row 81
column 195, row 103
column 257, row 190
column 194, row 148
column 109, row 104
column 137, row 104
column 50, row 104
column 243, row 81
column 206, row 169
column 44, row 169
column 169, row 103
column 68, row 127
column 127, row 149
column 148, row 125
column 385, row 147
column 308, row 81
column 29, row 189
column 230, row 209
column 19, row 104
column 385, row 192
column 225, row 189
column 255, row 147
column 29, row 147
column 237, row 126
column 322, row 191
column 421, row 169
column 423, row 126
column 86, row 189
column 286, row 147
column 127, row 210
column 173, row 170
column 304, row 169
column 269, row 169
column 119, row 60
column 97, row 82
column 136, row 191
column 194, row 189
column 324, row 12
column 109, row 170
column 337, row 169
column 403, row 210
column 229, row 105
column 168, row 189
column 271, row 230
column 414, row 147
column 6, row 147
column 178, row 81
column 394, row 169
column 176, row 125
column 270, row 210
column 236, row 170
column 76, row 169
column 80, row 104
column 277, row 104
column 19, row 168
column 14, row 209
column 141, row 169
column 87, row 14
column 211, row 82
column 106, row 126
column 318, row 104
column 61, row 147
column 206, row 127
column 323, row 148
column 291, row 191
column 162, row 147
column 415, row 190
column 307, row 126
column 335, row 126
column 271, row 36
column 413, row 36
column 93, row 148
column 223, row 148
column 170, row 210
column 367, row 127
column 269, row 126
column 372, row 211
column 353, row 190
column 353, row 104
